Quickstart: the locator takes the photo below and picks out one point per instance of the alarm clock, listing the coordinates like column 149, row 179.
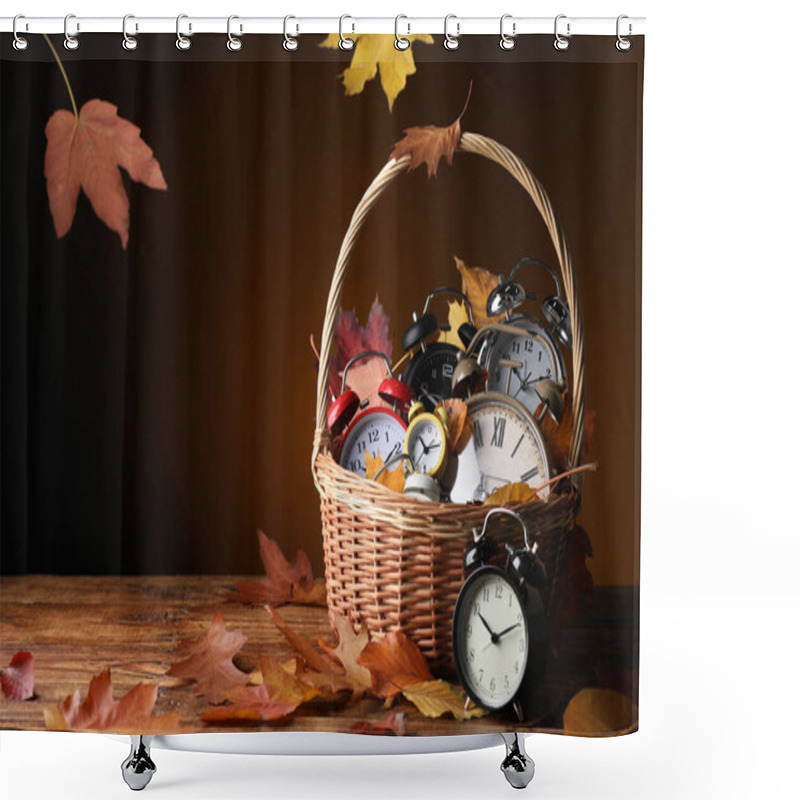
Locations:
column 417, row 484
column 500, row 631
column 429, row 372
column 426, row 440
column 380, row 431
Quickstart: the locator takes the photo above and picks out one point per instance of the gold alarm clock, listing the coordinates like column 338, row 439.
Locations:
column 426, row 440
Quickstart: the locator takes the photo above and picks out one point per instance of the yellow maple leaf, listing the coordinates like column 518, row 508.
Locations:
column 512, row 493
column 394, row 479
column 435, row 698
column 457, row 315
column 375, row 51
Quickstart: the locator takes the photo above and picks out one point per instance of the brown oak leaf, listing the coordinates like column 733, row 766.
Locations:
column 477, row 283
column 133, row 712
column 285, row 583
column 87, row 152
column 347, row 651
column 210, row 661
column 393, row 725
column 17, row 678
column 597, row 711
column 394, row 662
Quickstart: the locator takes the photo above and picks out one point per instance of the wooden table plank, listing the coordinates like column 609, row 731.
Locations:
column 76, row 626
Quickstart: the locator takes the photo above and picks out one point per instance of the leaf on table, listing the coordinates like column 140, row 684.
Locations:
column 559, row 436
column 373, row 52
column 210, row 661
column 87, row 152
column 457, row 315
column 393, row 725
column 577, row 580
column 600, row 711
column 459, row 425
column 351, row 339
column 512, row 493
column 133, row 712
column 286, row 582
column 477, row 283
column 347, row 651
column 437, row 698
column 394, row 662
column 394, row 479
column 17, row 678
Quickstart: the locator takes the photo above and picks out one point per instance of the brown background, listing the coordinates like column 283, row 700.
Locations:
column 159, row 406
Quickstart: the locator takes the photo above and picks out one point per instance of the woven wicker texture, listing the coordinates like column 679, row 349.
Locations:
column 395, row 563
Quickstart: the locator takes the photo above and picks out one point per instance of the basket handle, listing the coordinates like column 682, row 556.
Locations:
column 492, row 150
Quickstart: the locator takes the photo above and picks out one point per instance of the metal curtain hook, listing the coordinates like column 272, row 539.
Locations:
column 400, row 42
column 507, row 42
column 451, row 42
column 234, row 42
column 71, row 42
column 20, row 42
column 182, row 42
column 289, row 42
column 129, row 42
column 561, row 42
column 623, row 44
column 345, row 42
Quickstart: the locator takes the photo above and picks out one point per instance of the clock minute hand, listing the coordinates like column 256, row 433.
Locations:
column 508, row 630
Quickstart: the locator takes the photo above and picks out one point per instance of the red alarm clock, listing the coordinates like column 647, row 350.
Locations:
column 379, row 431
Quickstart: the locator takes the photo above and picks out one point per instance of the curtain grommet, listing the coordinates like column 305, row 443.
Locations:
column 345, row 42
column 561, row 42
column 234, row 43
column 451, row 42
column 507, row 42
column 400, row 42
column 20, row 43
column 290, row 43
column 623, row 44
column 129, row 42
column 182, row 42
column 71, row 42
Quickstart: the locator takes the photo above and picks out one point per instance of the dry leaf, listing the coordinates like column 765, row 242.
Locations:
column 459, row 425
column 87, row 153
column 477, row 283
column 436, row 698
column 365, row 378
column 375, row 51
column 210, row 661
column 394, row 662
column 347, row 651
column 17, row 678
column 457, row 315
column 512, row 493
column 600, row 711
column 286, row 583
column 133, row 712
column 394, row 479
column 559, row 437
column 393, row 725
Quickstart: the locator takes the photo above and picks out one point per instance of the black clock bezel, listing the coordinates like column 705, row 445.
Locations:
column 488, row 569
column 418, row 361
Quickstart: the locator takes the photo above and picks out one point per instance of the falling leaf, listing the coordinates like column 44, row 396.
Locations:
column 394, row 662
column 600, row 711
column 210, row 661
column 393, row 725
column 457, row 315
column 477, row 283
column 286, row 583
column 17, row 678
column 436, row 698
column 459, row 425
column 374, row 51
column 559, row 436
column 394, row 479
column 512, row 493
column 347, row 651
column 351, row 339
column 133, row 712
column 87, row 153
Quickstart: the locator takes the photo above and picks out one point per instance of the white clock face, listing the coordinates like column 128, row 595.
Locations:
column 378, row 433
column 425, row 446
column 505, row 447
column 515, row 363
column 491, row 639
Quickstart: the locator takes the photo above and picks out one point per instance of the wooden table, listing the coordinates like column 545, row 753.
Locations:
column 77, row 626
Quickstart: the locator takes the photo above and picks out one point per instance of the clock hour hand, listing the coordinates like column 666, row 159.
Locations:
column 486, row 625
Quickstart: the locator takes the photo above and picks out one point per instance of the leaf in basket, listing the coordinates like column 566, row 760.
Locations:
column 436, row 698
column 348, row 649
column 512, row 493
column 559, row 436
column 393, row 725
column 600, row 711
column 477, row 283
column 457, row 315
column 374, row 51
column 394, row 479
column 577, row 580
column 16, row 679
column 133, row 712
column 365, row 378
column 285, row 583
column 459, row 425
column 210, row 661
column 394, row 662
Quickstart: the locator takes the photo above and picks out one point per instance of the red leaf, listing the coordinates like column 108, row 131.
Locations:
column 210, row 661
column 17, row 678
column 87, row 153
column 393, row 725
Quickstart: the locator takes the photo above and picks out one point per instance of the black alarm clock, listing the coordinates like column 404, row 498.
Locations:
column 430, row 371
column 500, row 630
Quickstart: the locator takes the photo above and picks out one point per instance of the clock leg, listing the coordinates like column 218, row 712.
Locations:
column 517, row 766
column 138, row 768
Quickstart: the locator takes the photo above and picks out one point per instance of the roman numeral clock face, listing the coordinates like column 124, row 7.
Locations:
column 506, row 447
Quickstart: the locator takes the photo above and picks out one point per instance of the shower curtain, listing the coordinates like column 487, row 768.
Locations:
column 171, row 221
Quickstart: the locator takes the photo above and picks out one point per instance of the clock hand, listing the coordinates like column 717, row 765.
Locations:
column 486, row 625
column 508, row 630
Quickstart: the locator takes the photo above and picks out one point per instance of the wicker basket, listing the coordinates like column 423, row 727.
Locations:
column 393, row 562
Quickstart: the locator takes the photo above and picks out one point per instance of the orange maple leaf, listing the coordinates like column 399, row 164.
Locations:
column 477, row 283
column 133, row 712
column 210, row 661
column 394, row 662
column 394, row 479
column 86, row 152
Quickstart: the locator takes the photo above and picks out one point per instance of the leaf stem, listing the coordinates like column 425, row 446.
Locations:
column 463, row 110
column 63, row 74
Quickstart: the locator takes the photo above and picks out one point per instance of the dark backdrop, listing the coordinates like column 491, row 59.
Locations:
column 157, row 402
